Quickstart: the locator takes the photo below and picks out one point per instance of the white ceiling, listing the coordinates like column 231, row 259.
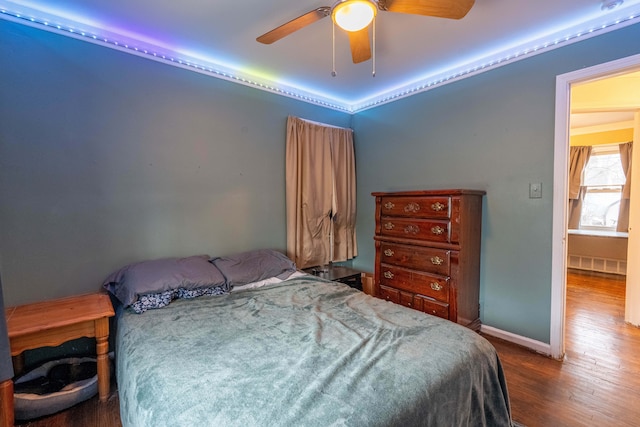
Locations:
column 413, row 53
column 582, row 123
column 605, row 104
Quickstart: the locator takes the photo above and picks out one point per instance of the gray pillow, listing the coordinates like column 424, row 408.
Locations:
column 161, row 275
column 251, row 266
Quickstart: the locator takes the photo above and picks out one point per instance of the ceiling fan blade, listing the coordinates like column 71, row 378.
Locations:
column 294, row 25
column 360, row 47
column 452, row 9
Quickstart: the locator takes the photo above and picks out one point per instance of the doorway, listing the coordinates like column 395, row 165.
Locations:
column 559, row 239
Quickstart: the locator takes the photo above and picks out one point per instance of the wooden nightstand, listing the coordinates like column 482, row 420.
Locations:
column 54, row 322
column 338, row 273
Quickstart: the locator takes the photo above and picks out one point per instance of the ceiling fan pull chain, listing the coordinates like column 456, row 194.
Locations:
column 373, row 73
column 333, row 49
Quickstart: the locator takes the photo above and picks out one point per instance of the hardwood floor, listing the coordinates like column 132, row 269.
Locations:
column 598, row 383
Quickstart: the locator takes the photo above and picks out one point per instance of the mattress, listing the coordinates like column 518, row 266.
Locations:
column 303, row 352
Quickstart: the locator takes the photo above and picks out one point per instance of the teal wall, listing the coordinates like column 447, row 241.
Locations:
column 493, row 132
column 107, row 158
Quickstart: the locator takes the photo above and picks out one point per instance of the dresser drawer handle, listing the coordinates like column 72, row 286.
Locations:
column 436, row 286
column 412, row 208
column 436, row 260
column 411, row 229
column 389, row 205
column 437, row 207
column 388, row 252
column 389, row 226
column 437, row 230
column 388, row 275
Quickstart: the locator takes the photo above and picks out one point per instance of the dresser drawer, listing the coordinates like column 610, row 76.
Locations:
column 430, row 306
column 402, row 279
column 416, row 207
column 430, row 260
column 403, row 298
column 421, row 229
column 389, row 294
column 417, row 302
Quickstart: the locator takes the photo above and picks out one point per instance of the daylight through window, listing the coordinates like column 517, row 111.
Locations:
column 603, row 180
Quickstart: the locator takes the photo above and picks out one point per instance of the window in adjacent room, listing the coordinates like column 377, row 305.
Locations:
column 603, row 180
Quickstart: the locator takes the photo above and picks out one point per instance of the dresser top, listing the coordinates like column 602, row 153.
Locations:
column 454, row 192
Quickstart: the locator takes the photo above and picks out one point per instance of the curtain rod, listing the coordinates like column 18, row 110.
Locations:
column 322, row 124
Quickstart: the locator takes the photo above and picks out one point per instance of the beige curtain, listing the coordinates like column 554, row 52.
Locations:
column 625, row 159
column 344, row 174
column 320, row 192
column 578, row 158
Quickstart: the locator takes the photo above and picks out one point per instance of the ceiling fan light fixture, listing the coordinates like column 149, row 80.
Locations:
column 354, row 15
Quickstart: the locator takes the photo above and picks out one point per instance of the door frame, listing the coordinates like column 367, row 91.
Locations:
column 560, row 187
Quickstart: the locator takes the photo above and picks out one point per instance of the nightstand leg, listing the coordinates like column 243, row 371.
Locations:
column 18, row 364
column 102, row 348
column 6, row 404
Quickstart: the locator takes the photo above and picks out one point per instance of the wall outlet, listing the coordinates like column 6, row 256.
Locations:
column 535, row 190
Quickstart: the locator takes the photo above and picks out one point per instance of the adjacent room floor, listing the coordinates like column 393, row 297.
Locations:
column 598, row 383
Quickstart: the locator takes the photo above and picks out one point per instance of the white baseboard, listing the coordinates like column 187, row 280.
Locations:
column 537, row 346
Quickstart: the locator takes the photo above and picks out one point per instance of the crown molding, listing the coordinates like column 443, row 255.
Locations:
column 95, row 34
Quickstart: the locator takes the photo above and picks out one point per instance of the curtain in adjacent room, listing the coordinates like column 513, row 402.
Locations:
column 578, row 158
column 320, row 192
column 625, row 159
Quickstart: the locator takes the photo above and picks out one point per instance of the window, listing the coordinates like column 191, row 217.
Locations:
column 603, row 180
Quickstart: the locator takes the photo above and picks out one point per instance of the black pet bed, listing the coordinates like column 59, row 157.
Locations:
column 55, row 386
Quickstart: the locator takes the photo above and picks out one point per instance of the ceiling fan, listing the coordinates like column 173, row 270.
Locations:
column 355, row 16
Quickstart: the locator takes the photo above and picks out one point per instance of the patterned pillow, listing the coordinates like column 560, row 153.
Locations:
column 147, row 302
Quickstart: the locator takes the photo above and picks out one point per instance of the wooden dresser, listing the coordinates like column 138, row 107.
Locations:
column 428, row 252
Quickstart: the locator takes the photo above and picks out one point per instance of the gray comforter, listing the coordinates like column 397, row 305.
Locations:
column 305, row 352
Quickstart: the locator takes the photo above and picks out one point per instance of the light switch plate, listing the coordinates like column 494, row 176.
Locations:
column 535, row 190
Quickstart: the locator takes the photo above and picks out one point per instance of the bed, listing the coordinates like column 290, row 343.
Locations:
column 291, row 349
